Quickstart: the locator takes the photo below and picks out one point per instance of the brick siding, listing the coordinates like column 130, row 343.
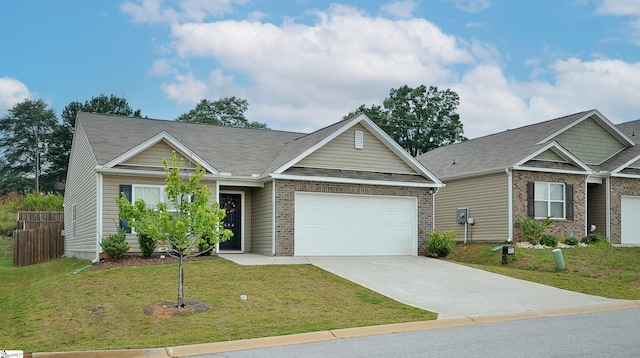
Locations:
column 560, row 228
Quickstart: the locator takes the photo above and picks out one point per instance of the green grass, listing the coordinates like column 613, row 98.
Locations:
column 599, row 270
column 45, row 307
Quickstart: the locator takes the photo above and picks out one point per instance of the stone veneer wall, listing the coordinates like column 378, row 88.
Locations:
column 620, row 187
column 285, row 197
column 560, row 228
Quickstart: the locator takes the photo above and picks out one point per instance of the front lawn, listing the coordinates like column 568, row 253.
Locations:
column 45, row 307
column 599, row 269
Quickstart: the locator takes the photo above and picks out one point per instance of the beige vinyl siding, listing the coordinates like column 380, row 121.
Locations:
column 262, row 219
column 590, row 142
column 487, row 199
column 340, row 153
column 549, row 155
column 81, row 191
column 110, row 191
column 153, row 156
column 597, row 207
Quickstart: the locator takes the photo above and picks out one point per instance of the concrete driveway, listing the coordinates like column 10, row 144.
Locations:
column 449, row 289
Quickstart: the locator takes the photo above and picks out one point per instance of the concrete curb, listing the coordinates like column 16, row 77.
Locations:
column 254, row 343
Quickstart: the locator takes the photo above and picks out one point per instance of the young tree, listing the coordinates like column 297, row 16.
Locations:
column 191, row 220
column 61, row 146
column 419, row 119
column 26, row 133
column 228, row 111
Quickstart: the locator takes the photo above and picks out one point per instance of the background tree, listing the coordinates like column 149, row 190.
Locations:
column 26, row 133
column 187, row 226
column 228, row 111
column 419, row 119
column 61, row 147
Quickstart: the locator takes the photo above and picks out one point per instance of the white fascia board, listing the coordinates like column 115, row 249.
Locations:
column 547, row 170
column 356, row 181
column 563, row 153
column 223, row 179
column 182, row 149
column 607, row 124
column 622, row 175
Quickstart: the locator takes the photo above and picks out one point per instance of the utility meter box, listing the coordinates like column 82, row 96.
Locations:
column 462, row 214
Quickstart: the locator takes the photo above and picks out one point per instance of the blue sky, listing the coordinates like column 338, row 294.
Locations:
column 303, row 64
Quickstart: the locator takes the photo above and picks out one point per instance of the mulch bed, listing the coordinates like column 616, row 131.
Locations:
column 138, row 260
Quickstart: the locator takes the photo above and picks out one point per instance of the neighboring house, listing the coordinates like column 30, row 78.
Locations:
column 347, row 189
column 581, row 169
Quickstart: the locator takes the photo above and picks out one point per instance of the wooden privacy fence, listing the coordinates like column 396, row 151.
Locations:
column 38, row 237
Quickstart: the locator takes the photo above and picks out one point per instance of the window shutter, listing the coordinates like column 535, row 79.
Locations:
column 126, row 189
column 569, row 200
column 531, row 203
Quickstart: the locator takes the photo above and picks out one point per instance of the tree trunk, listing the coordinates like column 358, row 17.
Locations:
column 180, row 283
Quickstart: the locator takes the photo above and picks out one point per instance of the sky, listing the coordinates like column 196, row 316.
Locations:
column 304, row 64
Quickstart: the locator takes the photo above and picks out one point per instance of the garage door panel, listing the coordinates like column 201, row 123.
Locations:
column 332, row 224
column 630, row 220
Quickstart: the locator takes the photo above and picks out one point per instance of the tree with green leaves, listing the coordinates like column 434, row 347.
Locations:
column 184, row 222
column 228, row 111
column 61, row 146
column 26, row 133
column 419, row 119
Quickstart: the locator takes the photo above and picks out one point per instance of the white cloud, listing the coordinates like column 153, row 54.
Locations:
column 12, row 91
column 155, row 11
column 304, row 76
column 619, row 7
column 344, row 59
column 472, row 6
column 402, row 9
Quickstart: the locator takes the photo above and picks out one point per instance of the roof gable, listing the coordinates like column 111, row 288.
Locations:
column 154, row 155
column 143, row 150
column 592, row 139
column 341, row 153
column 312, row 143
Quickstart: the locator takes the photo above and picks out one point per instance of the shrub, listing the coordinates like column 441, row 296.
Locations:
column 206, row 246
column 533, row 229
column 148, row 245
column 115, row 245
column 593, row 238
column 9, row 206
column 440, row 243
column 43, row 202
column 571, row 241
column 549, row 240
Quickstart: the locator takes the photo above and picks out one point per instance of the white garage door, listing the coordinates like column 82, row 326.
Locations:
column 630, row 220
column 349, row 225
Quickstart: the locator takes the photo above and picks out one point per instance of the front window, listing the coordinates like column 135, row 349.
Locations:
column 549, row 200
column 152, row 196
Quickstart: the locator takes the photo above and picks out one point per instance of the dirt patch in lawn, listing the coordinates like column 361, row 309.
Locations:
column 168, row 309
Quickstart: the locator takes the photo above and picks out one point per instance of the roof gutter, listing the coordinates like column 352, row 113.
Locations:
column 357, row 181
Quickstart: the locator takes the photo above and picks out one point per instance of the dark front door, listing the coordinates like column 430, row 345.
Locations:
column 232, row 204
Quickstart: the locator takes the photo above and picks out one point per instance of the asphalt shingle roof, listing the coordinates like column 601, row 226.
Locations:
column 240, row 151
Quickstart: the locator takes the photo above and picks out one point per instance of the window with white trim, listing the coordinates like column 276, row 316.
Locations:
column 152, row 195
column 549, row 200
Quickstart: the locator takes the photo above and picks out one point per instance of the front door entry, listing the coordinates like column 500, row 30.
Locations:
column 232, row 204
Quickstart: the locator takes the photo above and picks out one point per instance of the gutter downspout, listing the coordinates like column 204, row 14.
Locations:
column 510, row 203
column 433, row 208
column 98, row 217
column 608, row 206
